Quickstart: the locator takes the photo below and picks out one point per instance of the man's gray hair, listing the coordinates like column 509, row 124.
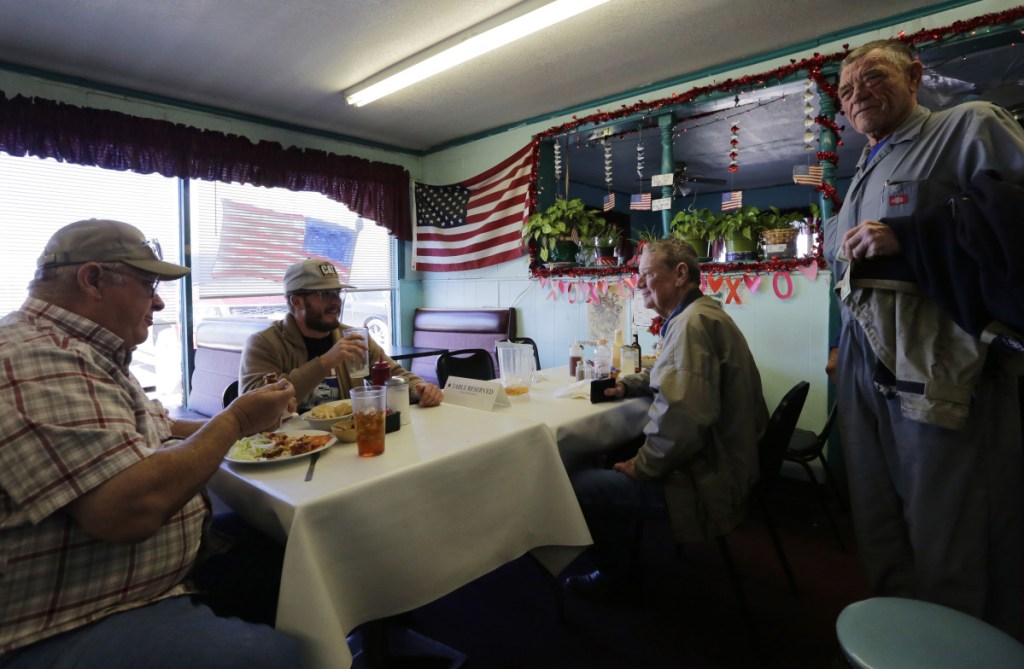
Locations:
column 57, row 284
column 674, row 251
column 900, row 54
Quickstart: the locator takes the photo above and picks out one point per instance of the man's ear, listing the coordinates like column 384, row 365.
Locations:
column 682, row 274
column 914, row 74
column 89, row 275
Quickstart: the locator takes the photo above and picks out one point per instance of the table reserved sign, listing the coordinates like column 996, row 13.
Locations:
column 475, row 394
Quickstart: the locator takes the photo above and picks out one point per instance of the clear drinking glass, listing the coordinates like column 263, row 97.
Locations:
column 515, row 364
column 361, row 369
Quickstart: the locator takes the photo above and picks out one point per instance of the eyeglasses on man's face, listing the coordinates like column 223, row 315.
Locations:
column 326, row 293
column 149, row 283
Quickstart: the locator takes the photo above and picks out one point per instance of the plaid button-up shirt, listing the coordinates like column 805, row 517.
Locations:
column 72, row 417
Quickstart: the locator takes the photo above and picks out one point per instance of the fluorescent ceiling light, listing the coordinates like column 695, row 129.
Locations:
column 469, row 45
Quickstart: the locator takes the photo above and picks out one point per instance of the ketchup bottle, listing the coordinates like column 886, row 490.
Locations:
column 380, row 372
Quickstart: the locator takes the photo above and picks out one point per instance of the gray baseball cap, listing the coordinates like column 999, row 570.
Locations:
column 312, row 274
column 96, row 240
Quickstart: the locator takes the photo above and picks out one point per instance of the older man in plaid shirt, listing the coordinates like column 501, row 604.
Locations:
column 101, row 511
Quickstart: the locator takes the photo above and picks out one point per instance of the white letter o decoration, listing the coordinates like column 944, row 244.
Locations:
column 789, row 285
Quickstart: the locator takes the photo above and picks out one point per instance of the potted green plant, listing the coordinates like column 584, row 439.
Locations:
column 779, row 231
column 693, row 226
column 605, row 244
column 552, row 229
column 739, row 228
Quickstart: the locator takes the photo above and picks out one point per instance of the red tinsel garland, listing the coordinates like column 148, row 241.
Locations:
column 828, row 156
column 811, row 65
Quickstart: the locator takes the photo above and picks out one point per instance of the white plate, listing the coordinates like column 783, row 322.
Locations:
column 290, row 433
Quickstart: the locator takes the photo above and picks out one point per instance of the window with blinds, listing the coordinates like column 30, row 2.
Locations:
column 245, row 237
column 242, row 238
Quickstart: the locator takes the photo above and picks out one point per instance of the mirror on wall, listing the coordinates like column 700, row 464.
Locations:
column 605, row 153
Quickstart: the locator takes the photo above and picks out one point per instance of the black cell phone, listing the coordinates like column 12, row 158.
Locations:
column 597, row 390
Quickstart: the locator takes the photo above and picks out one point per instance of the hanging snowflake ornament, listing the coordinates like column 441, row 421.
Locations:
column 640, row 160
column 607, row 163
column 808, row 116
column 734, row 151
column 558, row 161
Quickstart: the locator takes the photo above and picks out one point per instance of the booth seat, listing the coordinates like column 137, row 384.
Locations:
column 455, row 329
column 219, row 343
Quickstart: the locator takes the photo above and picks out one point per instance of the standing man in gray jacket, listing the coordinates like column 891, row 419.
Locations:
column 929, row 415
column 699, row 460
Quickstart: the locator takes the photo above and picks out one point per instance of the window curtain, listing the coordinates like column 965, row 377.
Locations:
column 117, row 141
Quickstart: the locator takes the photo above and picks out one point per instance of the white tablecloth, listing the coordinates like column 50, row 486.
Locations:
column 581, row 429
column 456, row 494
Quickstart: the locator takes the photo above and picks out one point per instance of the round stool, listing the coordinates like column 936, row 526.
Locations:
column 896, row 633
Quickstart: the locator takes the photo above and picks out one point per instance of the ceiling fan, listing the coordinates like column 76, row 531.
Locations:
column 682, row 179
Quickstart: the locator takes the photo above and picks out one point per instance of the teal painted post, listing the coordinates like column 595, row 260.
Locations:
column 827, row 141
column 665, row 124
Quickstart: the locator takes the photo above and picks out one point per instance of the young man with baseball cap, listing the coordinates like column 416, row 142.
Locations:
column 301, row 345
column 102, row 516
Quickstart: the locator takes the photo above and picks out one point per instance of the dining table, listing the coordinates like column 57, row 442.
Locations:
column 581, row 429
column 457, row 493
column 410, row 352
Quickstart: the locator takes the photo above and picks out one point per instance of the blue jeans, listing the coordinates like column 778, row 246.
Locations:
column 171, row 634
column 614, row 505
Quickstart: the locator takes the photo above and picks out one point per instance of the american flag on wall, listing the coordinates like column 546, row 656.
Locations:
column 732, row 200
column 475, row 223
column 808, row 175
column 259, row 242
column 640, row 201
column 609, row 202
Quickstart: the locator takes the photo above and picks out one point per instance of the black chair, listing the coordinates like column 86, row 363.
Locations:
column 771, row 450
column 470, row 363
column 230, row 393
column 524, row 340
column 804, row 448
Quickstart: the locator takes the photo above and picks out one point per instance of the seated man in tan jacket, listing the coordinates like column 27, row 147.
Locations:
column 699, row 459
column 302, row 348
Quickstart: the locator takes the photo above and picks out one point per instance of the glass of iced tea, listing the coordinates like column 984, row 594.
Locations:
column 368, row 408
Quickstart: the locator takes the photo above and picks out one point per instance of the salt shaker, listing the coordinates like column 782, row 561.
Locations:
column 398, row 397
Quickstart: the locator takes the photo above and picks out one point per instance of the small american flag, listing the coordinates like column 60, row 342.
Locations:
column 732, row 200
column 640, row 202
column 808, row 175
column 609, row 202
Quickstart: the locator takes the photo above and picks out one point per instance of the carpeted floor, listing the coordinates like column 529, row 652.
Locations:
column 686, row 615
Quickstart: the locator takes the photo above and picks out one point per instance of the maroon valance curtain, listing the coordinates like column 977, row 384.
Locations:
column 117, row 141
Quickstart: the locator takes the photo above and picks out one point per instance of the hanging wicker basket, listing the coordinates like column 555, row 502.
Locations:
column 779, row 235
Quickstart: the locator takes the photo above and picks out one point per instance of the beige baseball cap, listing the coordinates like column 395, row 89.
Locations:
column 96, row 240
column 312, row 274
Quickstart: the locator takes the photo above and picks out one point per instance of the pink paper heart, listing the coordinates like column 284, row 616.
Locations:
column 543, row 282
column 810, row 271
column 753, row 282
